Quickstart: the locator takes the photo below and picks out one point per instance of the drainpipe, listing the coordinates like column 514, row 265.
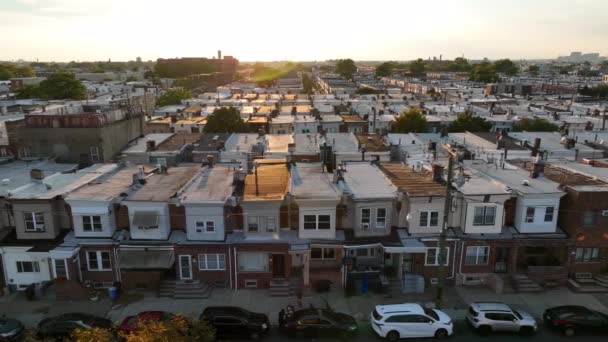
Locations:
column 230, row 265
column 236, row 282
column 116, row 266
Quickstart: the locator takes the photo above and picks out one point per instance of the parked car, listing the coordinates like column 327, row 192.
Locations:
column 410, row 320
column 129, row 324
column 572, row 319
column 492, row 317
column 230, row 321
column 63, row 325
column 318, row 323
column 10, row 329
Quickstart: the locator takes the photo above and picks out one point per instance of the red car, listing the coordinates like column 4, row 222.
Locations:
column 129, row 324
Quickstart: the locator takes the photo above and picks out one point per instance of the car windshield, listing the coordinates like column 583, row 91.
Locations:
column 473, row 312
column 431, row 313
column 376, row 315
column 517, row 314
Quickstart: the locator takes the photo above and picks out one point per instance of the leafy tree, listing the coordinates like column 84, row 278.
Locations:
column 346, row 68
column 183, row 68
column 467, row 121
column 385, row 69
column 225, row 120
column 29, row 91
column 533, row 70
column 8, row 71
column 410, row 121
column 308, row 84
column 173, row 96
column 535, row 124
column 506, row 66
column 483, row 72
column 417, row 66
column 58, row 86
column 600, row 91
column 94, row 334
column 368, row 90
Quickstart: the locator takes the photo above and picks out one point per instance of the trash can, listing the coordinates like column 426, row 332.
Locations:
column 30, row 292
column 364, row 285
column 113, row 293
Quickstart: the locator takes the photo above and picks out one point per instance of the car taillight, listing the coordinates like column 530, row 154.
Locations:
column 560, row 322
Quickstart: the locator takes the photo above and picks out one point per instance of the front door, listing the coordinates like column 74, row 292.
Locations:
column 408, row 261
column 502, row 258
column 185, row 267
column 278, row 265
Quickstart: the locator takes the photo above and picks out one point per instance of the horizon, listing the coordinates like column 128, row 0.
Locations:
column 68, row 30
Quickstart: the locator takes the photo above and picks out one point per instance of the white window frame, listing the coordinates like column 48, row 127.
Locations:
column 586, row 255
column 94, row 154
column 204, row 263
column 20, row 268
column 447, row 256
column 91, row 223
column 98, row 261
column 378, row 226
column 203, row 226
column 427, row 223
column 485, row 209
column 478, row 255
column 323, row 256
column 552, row 213
column 65, row 263
column 369, row 223
column 529, row 218
column 39, row 227
column 317, row 221
column 269, row 227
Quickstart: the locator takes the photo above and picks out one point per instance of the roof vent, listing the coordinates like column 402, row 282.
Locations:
column 525, row 182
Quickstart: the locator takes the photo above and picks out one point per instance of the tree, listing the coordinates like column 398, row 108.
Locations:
column 533, row 70
column 8, row 71
column 225, row 120
column 535, row 124
column 173, row 96
column 599, row 91
column 58, row 86
column 506, row 66
column 483, row 72
column 467, row 121
column 29, row 91
column 368, row 91
column 417, row 66
column 410, row 121
column 385, row 69
column 94, row 334
column 346, row 68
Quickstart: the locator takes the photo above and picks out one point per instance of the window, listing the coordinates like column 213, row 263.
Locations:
column 94, row 153
column 252, row 223
column 432, row 256
column 253, row 261
column 91, row 223
column 98, row 261
column 380, row 217
column 261, row 223
column 530, row 214
column 211, row 262
column 27, row 267
column 587, row 255
column 484, row 216
column 365, row 252
column 588, row 218
column 317, row 222
column 429, row 218
column 205, row 226
column 34, row 222
column 477, row 255
column 366, row 217
column 60, row 268
column 322, row 253
column 549, row 214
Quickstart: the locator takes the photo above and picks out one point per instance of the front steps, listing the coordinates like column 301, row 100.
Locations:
column 180, row 289
column 523, row 283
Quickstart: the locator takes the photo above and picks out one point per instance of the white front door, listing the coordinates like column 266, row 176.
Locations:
column 185, row 267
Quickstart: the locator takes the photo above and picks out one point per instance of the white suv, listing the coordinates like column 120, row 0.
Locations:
column 410, row 320
column 489, row 317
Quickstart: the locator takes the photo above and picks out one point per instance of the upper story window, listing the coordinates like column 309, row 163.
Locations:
column 530, row 214
column 588, row 218
column 261, row 224
column 145, row 219
column 366, row 218
column 34, row 222
column 318, row 222
column 484, row 216
column 94, row 153
column 91, row 224
column 429, row 218
column 205, row 226
column 380, row 217
column 323, row 253
column 549, row 214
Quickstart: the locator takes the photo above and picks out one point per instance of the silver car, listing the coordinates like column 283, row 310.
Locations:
column 491, row 317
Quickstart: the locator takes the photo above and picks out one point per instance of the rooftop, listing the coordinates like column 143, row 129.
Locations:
column 211, row 185
column 364, row 180
column 373, row 142
column 270, row 183
column 351, row 118
column 106, row 187
column 15, row 174
column 413, row 183
column 163, row 186
column 560, row 175
column 178, row 140
column 141, row 145
column 309, row 181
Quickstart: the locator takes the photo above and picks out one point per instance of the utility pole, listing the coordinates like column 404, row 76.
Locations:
column 443, row 235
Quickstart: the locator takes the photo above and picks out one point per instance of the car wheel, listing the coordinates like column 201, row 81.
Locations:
column 441, row 334
column 569, row 331
column 526, row 331
column 254, row 336
column 392, row 336
column 484, row 330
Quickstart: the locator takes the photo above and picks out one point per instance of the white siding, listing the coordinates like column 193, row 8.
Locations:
column 202, row 213
column 164, row 227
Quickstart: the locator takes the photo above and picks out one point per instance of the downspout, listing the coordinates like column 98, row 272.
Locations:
column 79, row 267
column 117, row 267
column 236, row 279
column 230, row 265
column 4, row 268
column 461, row 256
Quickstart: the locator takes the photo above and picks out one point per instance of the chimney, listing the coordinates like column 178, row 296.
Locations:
column 37, row 174
column 219, row 54
column 538, row 168
column 150, row 145
column 437, row 172
column 536, row 147
column 210, row 160
column 173, row 119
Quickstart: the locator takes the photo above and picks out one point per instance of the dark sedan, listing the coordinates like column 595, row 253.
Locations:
column 63, row 325
column 574, row 319
column 230, row 321
column 319, row 323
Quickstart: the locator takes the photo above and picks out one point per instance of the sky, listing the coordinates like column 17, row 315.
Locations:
column 305, row 30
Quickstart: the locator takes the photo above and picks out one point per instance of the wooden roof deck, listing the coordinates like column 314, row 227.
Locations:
column 413, row 183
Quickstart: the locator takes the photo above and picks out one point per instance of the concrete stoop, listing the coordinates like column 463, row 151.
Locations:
column 185, row 289
column 523, row 283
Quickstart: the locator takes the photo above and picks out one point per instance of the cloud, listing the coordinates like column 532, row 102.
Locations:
column 62, row 10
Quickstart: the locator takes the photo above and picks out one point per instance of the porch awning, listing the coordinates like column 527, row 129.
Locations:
column 146, row 260
column 411, row 245
column 145, row 218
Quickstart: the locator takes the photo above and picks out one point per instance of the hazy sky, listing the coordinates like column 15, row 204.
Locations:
column 66, row 30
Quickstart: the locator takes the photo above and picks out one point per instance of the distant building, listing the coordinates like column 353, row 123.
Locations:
column 225, row 68
column 19, row 82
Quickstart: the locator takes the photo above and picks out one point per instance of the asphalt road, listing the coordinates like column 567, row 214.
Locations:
column 462, row 333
